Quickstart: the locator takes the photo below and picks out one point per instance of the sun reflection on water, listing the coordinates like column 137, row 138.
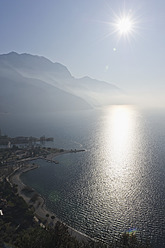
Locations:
column 121, row 127
column 120, row 130
column 121, row 172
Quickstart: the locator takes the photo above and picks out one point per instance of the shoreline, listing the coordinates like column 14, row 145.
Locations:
column 40, row 210
column 50, row 157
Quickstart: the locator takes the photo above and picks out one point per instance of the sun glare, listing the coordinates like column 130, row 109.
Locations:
column 124, row 25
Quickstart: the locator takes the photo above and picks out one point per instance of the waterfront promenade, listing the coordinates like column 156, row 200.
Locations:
column 42, row 215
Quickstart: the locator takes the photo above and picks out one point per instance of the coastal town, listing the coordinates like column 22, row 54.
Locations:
column 8, row 141
column 23, row 212
column 19, row 155
column 18, row 150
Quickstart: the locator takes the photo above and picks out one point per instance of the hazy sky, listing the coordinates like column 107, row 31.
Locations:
column 79, row 34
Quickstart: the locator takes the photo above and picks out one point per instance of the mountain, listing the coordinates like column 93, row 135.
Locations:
column 33, row 83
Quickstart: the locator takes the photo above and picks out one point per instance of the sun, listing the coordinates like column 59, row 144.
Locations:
column 124, row 25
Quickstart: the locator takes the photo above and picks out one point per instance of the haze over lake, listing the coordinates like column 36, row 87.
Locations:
column 117, row 184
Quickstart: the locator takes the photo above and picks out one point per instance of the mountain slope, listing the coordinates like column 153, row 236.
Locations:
column 34, row 82
column 20, row 94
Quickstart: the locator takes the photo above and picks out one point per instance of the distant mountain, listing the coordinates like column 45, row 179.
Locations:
column 33, row 83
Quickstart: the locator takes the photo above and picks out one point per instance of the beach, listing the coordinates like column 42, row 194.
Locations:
column 42, row 215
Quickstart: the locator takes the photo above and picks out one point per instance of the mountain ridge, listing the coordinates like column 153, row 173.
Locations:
column 44, row 79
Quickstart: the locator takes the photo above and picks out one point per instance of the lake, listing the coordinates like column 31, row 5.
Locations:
column 116, row 184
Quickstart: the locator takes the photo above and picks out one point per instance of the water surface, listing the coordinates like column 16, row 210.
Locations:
column 117, row 183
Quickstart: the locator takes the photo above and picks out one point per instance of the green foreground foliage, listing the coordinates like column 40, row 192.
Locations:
column 19, row 230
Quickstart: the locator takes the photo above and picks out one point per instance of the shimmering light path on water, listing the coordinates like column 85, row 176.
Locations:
column 117, row 185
